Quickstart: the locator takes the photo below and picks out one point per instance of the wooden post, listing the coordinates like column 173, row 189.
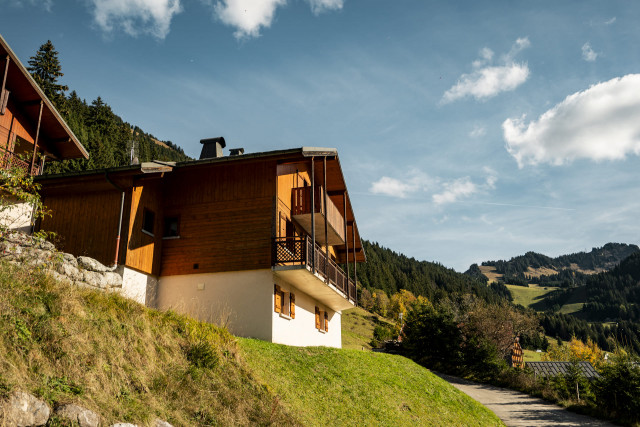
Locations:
column 326, row 219
column 346, row 236
column 313, row 217
column 35, row 143
column 355, row 263
column 4, row 82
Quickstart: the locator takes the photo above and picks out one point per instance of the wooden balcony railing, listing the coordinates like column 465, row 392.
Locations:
column 301, row 205
column 9, row 160
column 299, row 250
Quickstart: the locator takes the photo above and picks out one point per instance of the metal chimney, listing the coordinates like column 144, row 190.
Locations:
column 212, row 147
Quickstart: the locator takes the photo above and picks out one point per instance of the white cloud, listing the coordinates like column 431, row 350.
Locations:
column 477, row 131
column 486, row 80
column 319, row 6
column 492, row 177
column 45, row 4
column 600, row 123
column 393, row 187
column 610, row 21
column 455, row 190
column 588, row 54
column 248, row 16
column 136, row 16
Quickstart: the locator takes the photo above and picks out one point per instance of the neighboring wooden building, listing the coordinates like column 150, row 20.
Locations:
column 230, row 240
column 31, row 129
column 551, row 369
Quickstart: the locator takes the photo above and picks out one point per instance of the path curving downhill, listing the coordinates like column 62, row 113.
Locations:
column 519, row 409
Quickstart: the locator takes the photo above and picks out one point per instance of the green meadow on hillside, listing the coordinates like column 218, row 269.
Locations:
column 326, row 386
column 132, row 364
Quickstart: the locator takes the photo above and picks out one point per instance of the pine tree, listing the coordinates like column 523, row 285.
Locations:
column 45, row 69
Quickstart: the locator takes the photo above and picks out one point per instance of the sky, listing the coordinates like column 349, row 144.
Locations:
column 467, row 130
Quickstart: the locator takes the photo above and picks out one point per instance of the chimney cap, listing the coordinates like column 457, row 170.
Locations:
column 219, row 139
column 236, row 151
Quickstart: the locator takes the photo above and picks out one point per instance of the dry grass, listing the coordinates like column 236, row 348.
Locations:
column 490, row 272
column 122, row 360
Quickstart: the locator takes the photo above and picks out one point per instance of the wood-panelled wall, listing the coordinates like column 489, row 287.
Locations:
column 86, row 224
column 144, row 251
column 20, row 128
column 226, row 216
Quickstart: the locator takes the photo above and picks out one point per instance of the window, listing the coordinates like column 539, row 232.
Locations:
column 322, row 320
column 171, row 227
column 284, row 302
column 148, row 221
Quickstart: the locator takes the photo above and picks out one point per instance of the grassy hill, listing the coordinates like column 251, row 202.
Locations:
column 357, row 328
column 130, row 363
column 325, row 386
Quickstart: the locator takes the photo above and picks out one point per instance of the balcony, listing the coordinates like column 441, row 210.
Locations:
column 292, row 260
column 9, row 160
column 301, row 213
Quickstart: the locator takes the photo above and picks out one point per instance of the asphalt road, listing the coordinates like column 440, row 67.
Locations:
column 519, row 409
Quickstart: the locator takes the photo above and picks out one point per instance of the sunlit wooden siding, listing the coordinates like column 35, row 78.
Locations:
column 12, row 125
column 144, row 251
column 226, row 216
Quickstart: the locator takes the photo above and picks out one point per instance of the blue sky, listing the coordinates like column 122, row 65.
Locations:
column 467, row 131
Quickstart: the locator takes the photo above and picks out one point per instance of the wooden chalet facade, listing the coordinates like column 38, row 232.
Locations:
column 230, row 240
column 31, row 131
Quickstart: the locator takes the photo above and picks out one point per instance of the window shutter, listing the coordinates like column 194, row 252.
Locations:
column 277, row 299
column 317, row 318
column 292, row 306
column 326, row 322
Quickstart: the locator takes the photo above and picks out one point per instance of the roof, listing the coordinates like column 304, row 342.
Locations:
column 61, row 143
column 551, row 369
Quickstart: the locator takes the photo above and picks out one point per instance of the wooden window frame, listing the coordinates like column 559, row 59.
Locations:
column 164, row 227
column 145, row 213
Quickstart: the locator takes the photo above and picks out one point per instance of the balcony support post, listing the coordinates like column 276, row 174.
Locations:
column 355, row 264
column 326, row 219
column 4, row 83
column 346, row 236
column 313, row 216
column 35, row 142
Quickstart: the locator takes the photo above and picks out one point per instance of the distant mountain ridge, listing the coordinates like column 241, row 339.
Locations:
column 564, row 270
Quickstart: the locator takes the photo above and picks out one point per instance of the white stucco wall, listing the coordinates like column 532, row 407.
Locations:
column 241, row 301
column 17, row 216
column 138, row 286
column 302, row 331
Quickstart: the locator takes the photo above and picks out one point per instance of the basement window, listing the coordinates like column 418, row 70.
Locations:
column 148, row 222
column 171, row 228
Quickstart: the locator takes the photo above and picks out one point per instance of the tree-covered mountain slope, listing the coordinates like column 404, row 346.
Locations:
column 392, row 271
column 106, row 136
column 563, row 271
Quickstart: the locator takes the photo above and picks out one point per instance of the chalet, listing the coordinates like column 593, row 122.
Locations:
column 31, row 129
column 253, row 241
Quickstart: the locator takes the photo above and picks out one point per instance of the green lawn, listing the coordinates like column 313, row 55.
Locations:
column 527, row 296
column 325, row 386
column 357, row 328
column 532, row 356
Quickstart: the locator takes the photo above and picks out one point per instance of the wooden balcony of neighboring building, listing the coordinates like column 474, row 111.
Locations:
column 293, row 260
column 10, row 160
column 301, row 213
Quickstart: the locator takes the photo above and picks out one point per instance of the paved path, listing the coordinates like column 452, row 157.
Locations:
column 519, row 409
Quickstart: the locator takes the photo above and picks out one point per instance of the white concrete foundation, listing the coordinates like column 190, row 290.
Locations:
column 138, row 286
column 16, row 216
column 243, row 302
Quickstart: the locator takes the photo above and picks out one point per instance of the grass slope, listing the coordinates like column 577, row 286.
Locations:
column 325, row 386
column 357, row 328
column 122, row 360
column 526, row 296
